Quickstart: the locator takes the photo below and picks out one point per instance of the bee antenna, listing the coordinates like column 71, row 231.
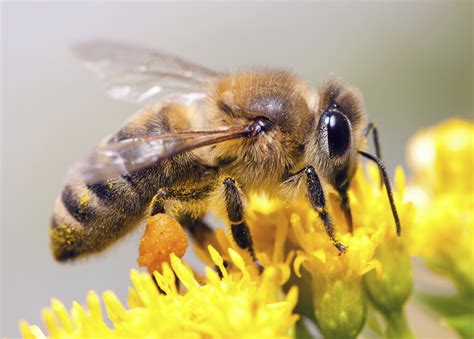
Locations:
column 387, row 187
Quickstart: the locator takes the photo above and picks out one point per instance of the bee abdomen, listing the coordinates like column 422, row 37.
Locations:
column 102, row 191
column 88, row 217
column 77, row 206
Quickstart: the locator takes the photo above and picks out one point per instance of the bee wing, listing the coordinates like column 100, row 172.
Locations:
column 137, row 75
column 116, row 159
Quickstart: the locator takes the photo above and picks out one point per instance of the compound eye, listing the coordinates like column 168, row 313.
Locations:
column 338, row 132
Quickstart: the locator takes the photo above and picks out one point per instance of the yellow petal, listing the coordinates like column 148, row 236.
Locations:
column 113, row 306
column 61, row 314
column 37, row 333
column 50, row 322
column 184, row 274
column 93, row 304
column 321, row 255
column 78, row 314
column 217, row 259
column 300, row 258
column 239, row 262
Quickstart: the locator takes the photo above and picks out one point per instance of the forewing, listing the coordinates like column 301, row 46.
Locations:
column 113, row 160
column 138, row 75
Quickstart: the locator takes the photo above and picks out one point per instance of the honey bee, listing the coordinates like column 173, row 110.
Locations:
column 208, row 140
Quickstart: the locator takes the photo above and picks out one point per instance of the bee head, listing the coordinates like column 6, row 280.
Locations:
column 336, row 133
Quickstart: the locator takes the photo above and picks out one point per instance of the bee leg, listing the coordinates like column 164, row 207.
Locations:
column 318, row 201
column 182, row 195
column 235, row 212
column 167, row 194
column 371, row 127
column 346, row 209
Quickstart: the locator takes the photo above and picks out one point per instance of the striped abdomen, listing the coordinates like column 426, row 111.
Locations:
column 88, row 217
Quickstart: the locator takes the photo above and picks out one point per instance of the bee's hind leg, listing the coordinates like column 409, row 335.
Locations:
column 198, row 229
column 235, row 212
column 176, row 194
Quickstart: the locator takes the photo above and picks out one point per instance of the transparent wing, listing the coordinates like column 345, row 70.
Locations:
column 138, row 75
column 112, row 160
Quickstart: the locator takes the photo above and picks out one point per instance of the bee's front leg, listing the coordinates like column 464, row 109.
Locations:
column 315, row 194
column 346, row 208
column 372, row 128
column 235, row 212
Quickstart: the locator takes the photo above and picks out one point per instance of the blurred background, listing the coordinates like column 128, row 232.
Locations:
column 411, row 60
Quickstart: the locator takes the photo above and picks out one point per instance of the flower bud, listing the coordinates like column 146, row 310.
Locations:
column 340, row 306
column 389, row 290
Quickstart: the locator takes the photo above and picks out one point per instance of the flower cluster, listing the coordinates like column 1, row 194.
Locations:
column 224, row 305
column 304, row 275
column 341, row 286
column 442, row 158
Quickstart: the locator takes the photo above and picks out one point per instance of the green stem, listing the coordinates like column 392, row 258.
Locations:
column 397, row 326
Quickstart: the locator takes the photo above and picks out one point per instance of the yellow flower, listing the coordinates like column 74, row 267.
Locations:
column 389, row 289
column 442, row 158
column 235, row 305
column 282, row 230
column 339, row 298
column 239, row 301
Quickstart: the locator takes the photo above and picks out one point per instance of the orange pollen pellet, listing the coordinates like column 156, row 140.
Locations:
column 163, row 236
